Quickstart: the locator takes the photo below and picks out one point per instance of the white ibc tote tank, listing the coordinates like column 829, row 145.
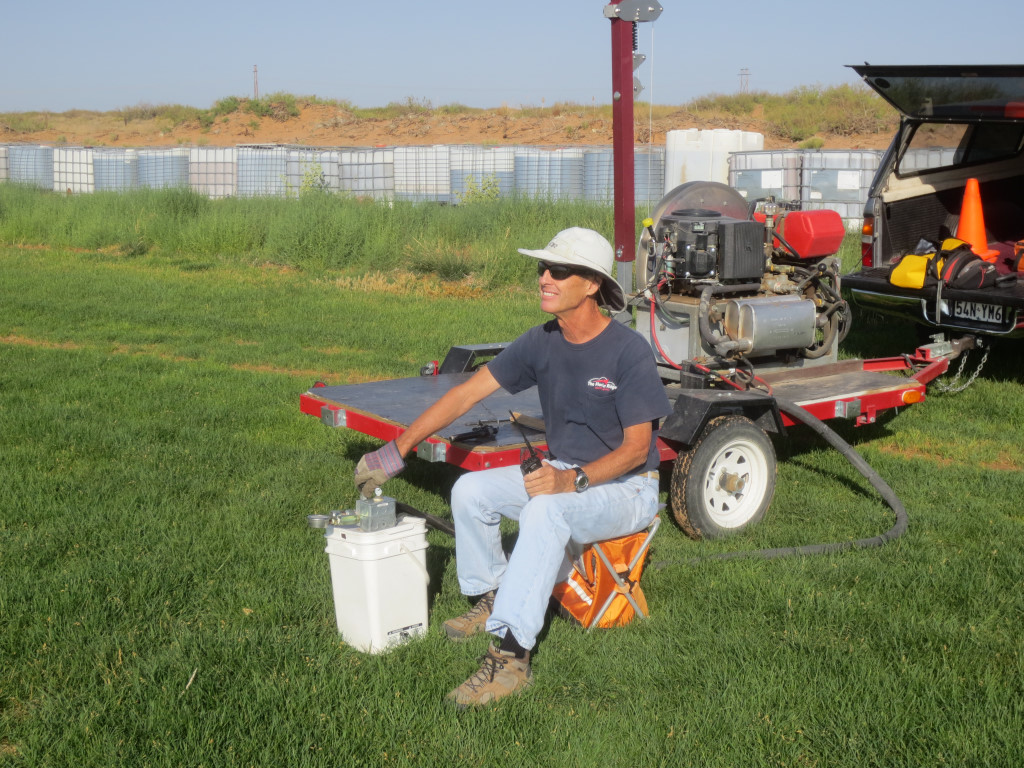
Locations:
column 73, row 170
column 115, row 170
column 703, row 155
column 212, row 170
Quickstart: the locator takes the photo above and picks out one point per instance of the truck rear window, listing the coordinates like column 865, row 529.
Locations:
column 935, row 146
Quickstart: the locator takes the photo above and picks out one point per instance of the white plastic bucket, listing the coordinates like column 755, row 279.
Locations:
column 380, row 583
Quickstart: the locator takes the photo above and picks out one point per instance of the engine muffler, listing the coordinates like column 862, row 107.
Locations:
column 769, row 324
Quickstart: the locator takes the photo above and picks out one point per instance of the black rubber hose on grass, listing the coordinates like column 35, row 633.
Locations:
column 858, row 462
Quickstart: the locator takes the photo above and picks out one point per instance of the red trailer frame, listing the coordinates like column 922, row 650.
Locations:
column 857, row 390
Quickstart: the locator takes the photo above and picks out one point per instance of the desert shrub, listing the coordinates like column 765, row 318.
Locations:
column 138, row 112
column 315, row 100
column 803, row 112
column 225, row 106
column 487, row 190
column 177, row 114
column 24, row 122
column 739, row 104
column 172, row 114
column 313, row 181
column 847, row 110
column 277, row 106
column 457, row 109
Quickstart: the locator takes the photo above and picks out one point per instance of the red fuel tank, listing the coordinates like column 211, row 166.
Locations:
column 812, row 234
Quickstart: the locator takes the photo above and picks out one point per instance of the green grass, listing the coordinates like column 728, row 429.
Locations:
column 317, row 232
column 155, row 474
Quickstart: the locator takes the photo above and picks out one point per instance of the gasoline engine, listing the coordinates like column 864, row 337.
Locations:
column 727, row 283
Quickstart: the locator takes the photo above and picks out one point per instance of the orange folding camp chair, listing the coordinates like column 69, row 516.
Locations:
column 603, row 589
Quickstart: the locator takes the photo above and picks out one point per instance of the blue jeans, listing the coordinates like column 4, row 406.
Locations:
column 546, row 525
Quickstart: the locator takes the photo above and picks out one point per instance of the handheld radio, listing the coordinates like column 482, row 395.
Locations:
column 533, row 462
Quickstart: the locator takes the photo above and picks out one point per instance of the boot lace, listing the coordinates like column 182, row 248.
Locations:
column 484, row 605
column 492, row 664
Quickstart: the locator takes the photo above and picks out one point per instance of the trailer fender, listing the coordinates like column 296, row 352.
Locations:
column 693, row 409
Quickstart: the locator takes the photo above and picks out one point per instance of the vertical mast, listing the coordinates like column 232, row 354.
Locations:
column 624, row 17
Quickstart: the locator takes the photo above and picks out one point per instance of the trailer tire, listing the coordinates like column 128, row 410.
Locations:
column 731, row 451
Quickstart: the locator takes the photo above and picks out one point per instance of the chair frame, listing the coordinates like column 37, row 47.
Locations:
column 620, row 584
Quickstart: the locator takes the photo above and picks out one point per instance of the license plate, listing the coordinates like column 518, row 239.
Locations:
column 978, row 312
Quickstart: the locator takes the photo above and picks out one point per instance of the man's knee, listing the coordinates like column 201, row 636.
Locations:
column 475, row 491
column 470, row 487
column 466, row 493
column 544, row 513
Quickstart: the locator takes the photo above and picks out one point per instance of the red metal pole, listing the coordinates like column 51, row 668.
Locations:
column 622, row 138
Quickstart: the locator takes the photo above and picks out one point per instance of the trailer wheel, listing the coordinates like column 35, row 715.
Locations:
column 725, row 481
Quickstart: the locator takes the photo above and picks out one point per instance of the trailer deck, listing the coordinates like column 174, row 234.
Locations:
column 384, row 409
column 853, row 389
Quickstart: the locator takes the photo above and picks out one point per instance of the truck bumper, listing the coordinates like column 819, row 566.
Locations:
column 989, row 312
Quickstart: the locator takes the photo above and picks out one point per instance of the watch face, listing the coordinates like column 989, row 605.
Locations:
column 582, row 481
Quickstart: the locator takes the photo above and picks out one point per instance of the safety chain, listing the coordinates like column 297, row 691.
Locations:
column 952, row 388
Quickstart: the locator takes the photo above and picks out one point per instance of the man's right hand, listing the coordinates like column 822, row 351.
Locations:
column 377, row 467
column 549, row 479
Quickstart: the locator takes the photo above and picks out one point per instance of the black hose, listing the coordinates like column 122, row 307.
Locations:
column 721, row 343
column 786, row 245
column 432, row 522
column 828, row 334
column 887, row 493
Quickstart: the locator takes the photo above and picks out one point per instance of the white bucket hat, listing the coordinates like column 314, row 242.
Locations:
column 587, row 249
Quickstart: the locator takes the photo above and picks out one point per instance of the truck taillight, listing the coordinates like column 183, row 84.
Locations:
column 867, row 242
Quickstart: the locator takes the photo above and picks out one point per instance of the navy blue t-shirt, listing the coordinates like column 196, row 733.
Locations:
column 589, row 392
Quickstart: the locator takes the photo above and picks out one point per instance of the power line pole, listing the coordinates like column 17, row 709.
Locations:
column 255, row 84
column 744, row 80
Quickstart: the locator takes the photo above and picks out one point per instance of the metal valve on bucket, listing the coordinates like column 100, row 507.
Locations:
column 370, row 515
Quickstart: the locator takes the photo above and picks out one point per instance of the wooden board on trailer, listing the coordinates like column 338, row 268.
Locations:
column 838, row 381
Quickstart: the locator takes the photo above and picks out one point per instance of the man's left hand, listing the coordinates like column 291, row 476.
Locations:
column 549, row 479
column 376, row 467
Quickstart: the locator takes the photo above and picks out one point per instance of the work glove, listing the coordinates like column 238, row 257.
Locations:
column 377, row 467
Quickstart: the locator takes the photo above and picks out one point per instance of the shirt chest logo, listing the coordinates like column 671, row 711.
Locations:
column 602, row 384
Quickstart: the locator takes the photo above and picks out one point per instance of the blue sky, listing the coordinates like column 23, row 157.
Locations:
column 61, row 55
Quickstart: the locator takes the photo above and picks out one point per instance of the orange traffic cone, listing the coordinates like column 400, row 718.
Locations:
column 971, row 228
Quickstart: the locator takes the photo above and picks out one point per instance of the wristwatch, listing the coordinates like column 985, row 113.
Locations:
column 582, row 482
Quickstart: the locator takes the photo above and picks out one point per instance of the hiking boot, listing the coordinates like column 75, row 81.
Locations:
column 473, row 621
column 500, row 674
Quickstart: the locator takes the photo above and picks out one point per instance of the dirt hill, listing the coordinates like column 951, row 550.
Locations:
column 331, row 125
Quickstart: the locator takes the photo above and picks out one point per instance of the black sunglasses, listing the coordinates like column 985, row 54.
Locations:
column 562, row 271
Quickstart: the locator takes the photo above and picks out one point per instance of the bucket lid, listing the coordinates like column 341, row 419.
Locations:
column 406, row 526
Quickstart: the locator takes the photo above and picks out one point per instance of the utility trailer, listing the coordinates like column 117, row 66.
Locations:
column 741, row 304
column 715, row 441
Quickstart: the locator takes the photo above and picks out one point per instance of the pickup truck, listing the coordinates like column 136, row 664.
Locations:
column 957, row 123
